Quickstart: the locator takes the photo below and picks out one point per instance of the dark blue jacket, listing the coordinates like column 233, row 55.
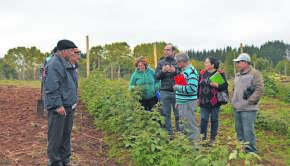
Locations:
column 60, row 89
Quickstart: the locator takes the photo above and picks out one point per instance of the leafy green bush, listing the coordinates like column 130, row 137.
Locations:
column 284, row 92
column 270, row 85
column 266, row 121
column 118, row 112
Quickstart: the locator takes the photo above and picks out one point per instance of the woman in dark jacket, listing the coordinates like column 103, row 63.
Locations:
column 207, row 98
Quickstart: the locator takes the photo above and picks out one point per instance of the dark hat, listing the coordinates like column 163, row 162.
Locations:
column 65, row 44
column 54, row 50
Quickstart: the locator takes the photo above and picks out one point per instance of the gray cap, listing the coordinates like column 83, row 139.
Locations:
column 243, row 57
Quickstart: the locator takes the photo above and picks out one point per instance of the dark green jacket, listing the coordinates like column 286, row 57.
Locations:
column 60, row 89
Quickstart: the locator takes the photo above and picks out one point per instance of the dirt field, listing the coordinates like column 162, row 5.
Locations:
column 23, row 135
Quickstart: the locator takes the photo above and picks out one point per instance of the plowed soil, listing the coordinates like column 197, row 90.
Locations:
column 23, row 135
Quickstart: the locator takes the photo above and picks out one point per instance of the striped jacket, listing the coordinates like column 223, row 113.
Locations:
column 187, row 93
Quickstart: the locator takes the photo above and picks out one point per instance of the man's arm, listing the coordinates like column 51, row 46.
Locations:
column 191, row 85
column 259, row 89
column 52, row 86
column 159, row 74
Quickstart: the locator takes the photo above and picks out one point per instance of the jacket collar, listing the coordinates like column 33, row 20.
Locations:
column 241, row 74
column 247, row 71
column 170, row 58
column 64, row 62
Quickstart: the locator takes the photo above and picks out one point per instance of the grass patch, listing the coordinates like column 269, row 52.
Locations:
column 21, row 83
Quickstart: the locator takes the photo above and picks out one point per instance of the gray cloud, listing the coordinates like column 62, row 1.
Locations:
column 199, row 24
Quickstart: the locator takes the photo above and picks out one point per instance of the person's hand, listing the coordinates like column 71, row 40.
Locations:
column 164, row 69
column 61, row 111
column 172, row 69
column 215, row 85
column 198, row 102
column 175, row 87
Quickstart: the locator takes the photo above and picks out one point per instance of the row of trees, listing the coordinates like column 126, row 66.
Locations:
column 273, row 51
column 21, row 63
column 271, row 56
column 117, row 59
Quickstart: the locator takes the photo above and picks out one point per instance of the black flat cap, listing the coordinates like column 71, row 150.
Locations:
column 54, row 50
column 65, row 44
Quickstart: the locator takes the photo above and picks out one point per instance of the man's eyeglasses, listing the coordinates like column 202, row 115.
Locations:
column 78, row 52
column 239, row 62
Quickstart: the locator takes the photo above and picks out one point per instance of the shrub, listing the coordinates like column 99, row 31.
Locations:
column 119, row 112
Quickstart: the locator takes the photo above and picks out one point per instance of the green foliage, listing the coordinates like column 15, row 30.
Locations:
column 7, row 71
column 283, row 67
column 274, row 50
column 266, row 121
column 262, row 64
column 118, row 112
column 21, row 63
column 284, row 92
column 147, row 50
column 96, row 57
column 270, row 85
column 198, row 65
column 229, row 64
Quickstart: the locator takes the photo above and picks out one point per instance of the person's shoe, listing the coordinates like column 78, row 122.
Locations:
column 171, row 137
column 179, row 133
column 249, row 149
column 203, row 142
column 212, row 142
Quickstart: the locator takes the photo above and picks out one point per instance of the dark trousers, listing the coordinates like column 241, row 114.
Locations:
column 148, row 104
column 59, row 137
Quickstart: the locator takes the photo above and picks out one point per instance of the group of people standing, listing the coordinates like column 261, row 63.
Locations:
column 175, row 83
column 182, row 88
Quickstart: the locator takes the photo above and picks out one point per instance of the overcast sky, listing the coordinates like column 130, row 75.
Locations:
column 199, row 24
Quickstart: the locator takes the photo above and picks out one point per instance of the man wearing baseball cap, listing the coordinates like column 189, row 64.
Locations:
column 248, row 89
column 60, row 96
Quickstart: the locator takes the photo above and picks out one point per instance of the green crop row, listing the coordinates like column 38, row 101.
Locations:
column 118, row 112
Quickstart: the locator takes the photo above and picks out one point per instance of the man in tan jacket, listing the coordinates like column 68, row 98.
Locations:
column 248, row 88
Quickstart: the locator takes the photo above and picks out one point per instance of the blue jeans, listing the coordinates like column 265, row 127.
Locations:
column 214, row 119
column 244, row 125
column 168, row 101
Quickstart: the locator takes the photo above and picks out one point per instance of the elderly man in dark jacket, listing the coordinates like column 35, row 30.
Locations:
column 166, row 70
column 60, row 96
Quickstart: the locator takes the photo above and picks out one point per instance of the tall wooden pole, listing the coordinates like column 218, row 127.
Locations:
column 88, row 55
column 155, row 55
column 241, row 48
column 285, row 68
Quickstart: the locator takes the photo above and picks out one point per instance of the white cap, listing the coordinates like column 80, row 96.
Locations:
column 243, row 57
